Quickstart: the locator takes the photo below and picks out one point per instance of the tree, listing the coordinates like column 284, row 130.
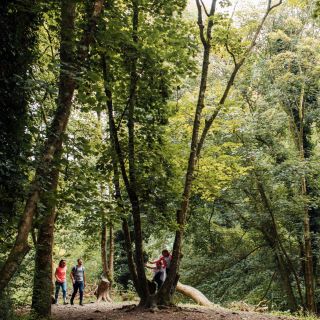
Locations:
column 19, row 21
column 42, row 281
column 198, row 138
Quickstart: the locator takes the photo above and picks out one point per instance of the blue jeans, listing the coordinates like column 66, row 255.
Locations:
column 63, row 286
column 78, row 285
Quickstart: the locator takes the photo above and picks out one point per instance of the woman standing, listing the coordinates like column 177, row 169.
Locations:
column 61, row 281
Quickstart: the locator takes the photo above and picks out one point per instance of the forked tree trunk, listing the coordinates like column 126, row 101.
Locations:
column 132, row 191
column 117, row 159
column 136, row 267
column 164, row 295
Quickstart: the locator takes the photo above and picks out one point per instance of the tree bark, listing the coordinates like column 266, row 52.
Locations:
column 42, row 283
column 111, row 251
column 134, row 199
column 104, row 259
column 103, row 291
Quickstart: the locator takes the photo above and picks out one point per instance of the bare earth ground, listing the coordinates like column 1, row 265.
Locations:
column 121, row 311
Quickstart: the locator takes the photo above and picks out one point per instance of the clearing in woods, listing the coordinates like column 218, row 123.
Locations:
column 122, row 311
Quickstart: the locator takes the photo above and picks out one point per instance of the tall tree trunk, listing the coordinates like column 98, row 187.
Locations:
column 283, row 267
column 40, row 182
column 134, row 199
column 42, row 289
column 269, row 231
column 164, row 295
column 117, row 159
column 137, row 270
column 285, row 272
column 42, row 302
column 111, row 252
column 308, row 273
column 104, row 258
column 42, row 283
column 57, row 129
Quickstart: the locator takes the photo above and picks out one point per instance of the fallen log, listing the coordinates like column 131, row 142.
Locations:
column 194, row 294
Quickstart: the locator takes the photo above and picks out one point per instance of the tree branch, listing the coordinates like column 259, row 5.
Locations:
column 200, row 24
column 237, row 66
column 204, row 8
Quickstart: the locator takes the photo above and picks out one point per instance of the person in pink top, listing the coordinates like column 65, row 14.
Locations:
column 61, row 281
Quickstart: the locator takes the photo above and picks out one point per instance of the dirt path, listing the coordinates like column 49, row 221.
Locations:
column 116, row 311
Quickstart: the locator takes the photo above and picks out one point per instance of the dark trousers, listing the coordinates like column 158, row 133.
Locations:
column 157, row 279
column 78, row 285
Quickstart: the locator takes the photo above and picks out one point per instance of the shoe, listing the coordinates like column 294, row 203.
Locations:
column 81, row 304
column 71, row 302
column 65, row 303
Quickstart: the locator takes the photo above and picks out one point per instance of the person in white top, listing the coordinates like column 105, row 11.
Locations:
column 159, row 274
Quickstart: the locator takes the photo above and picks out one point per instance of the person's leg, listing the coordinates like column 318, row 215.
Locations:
column 157, row 279
column 81, row 287
column 75, row 290
column 57, row 292
column 64, row 292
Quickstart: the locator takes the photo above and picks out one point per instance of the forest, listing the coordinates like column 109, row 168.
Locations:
column 132, row 127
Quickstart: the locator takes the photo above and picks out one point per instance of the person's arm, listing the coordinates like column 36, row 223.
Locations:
column 155, row 261
column 55, row 275
column 71, row 276
column 84, row 278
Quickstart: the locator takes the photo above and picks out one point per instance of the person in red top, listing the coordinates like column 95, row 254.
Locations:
column 165, row 260
column 61, row 281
